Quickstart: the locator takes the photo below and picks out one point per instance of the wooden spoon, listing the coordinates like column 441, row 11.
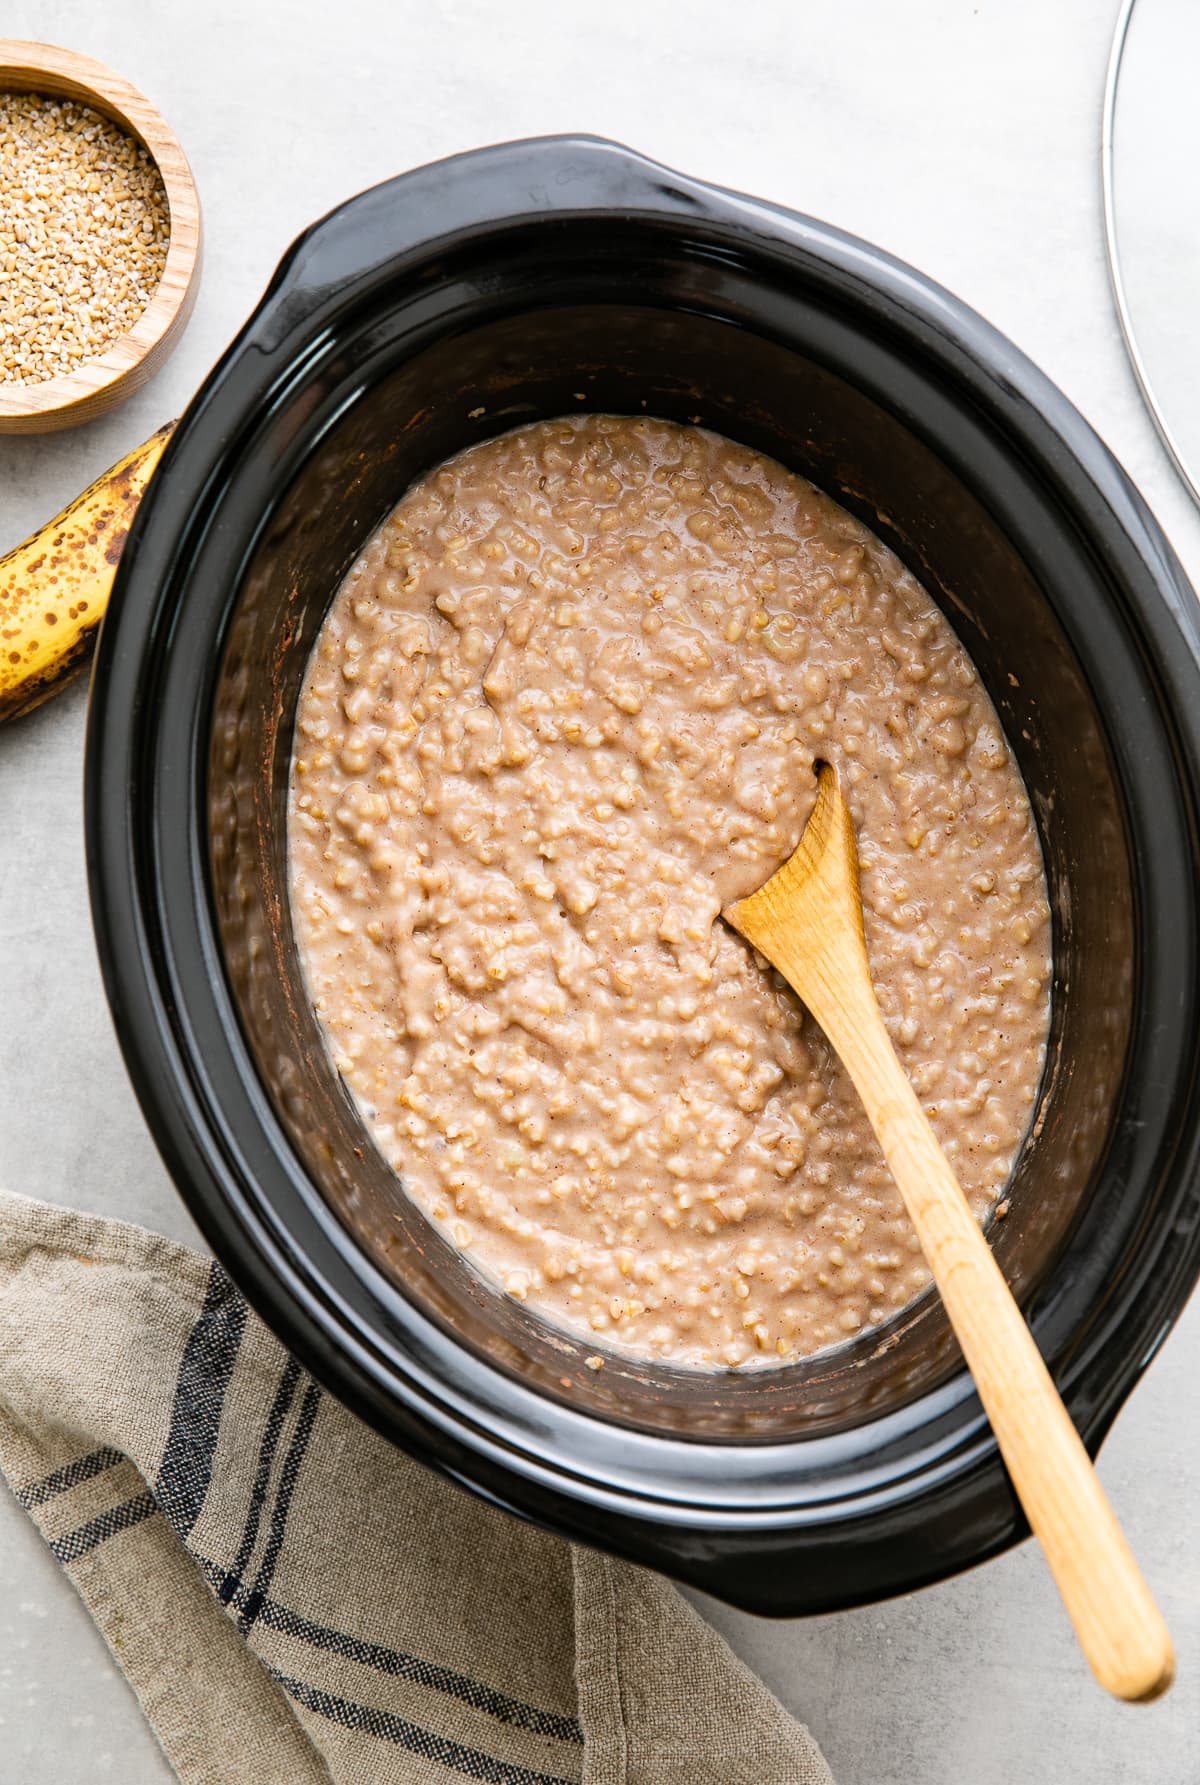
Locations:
column 807, row 921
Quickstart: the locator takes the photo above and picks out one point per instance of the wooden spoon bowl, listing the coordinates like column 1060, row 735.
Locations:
column 100, row 383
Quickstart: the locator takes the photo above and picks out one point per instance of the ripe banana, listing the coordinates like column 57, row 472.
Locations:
column 54, row 588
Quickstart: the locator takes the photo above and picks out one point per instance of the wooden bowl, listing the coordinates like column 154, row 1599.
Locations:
column 98, row 384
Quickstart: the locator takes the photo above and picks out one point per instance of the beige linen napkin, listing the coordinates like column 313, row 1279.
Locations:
column 295, row 1601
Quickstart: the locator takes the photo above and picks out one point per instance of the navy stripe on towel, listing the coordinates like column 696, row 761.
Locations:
column 208, row 1360
column 425, row 1673
column 284, row 1395
column 288, row 1477
column 97, row 1530
column 397, row 1663
column 471, row 1761
column 69, row 1476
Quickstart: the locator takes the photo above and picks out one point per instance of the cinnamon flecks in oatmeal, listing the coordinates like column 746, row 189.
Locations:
column 564, row 707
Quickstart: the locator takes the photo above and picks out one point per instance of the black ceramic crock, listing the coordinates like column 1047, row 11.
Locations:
column 530, row 280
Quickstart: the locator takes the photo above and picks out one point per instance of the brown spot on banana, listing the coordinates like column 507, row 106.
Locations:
column 49, row 622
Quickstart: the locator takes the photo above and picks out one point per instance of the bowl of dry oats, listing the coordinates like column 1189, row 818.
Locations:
column 99, row 238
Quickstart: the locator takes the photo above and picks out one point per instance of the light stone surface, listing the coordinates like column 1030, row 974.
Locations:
column 963, row 137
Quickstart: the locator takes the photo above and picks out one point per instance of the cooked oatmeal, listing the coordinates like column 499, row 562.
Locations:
column 564, row 707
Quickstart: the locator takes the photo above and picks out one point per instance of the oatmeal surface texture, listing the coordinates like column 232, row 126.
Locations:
column 565, row 707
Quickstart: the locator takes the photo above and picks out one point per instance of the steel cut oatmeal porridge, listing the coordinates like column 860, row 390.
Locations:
column 564, row 707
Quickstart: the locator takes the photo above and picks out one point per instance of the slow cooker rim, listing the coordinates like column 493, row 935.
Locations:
column 230, row 1234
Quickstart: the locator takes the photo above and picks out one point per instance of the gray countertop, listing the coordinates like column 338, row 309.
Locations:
column 962, row 137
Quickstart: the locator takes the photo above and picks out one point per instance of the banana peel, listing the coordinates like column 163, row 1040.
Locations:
column 55, row 587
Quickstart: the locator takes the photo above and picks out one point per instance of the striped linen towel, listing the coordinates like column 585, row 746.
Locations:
column 295, row 1601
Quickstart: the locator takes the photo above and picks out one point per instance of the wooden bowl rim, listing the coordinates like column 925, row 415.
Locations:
column 91, row 83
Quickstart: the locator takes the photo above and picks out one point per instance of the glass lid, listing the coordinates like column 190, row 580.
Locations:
column 1151, row 171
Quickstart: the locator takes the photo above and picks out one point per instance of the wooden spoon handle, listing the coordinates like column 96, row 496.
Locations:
column 1118, row 1624
column 807, row 921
